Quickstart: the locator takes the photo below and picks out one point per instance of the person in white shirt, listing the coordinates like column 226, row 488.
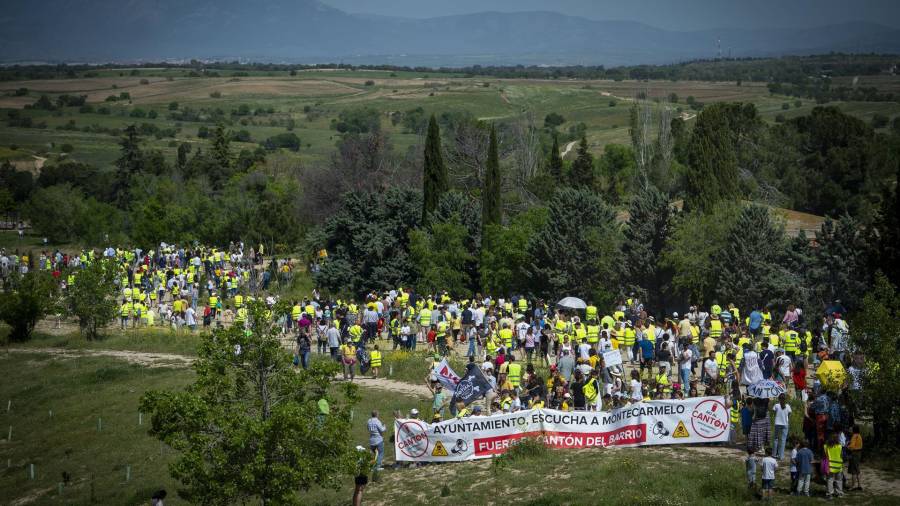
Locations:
column 190, row 318
column 584, row 350
column 710, row 370
column 635, row 384
column 769, row 465
column 782, row 422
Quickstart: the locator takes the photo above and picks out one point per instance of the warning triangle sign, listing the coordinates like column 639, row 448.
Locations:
column 439, row 450
column 681, row 431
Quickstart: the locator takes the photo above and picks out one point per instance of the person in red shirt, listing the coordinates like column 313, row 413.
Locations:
column 798, row 375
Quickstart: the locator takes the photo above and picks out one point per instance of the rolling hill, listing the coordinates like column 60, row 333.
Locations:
column 310, row 31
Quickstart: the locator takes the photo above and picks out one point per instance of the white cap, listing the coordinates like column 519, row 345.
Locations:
column 675, row 315
column 414, row 411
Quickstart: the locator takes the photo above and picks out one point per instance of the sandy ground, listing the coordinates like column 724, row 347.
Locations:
column 148, row 359
column 569, row 147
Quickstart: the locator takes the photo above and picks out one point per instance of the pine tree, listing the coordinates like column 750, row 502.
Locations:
column 491, row 212
column 840, row 262
column 575, row 250
column 649, row 221
column 555, row 165
column 581, row 174
column 887, row 227
column 129, row 164
column 751, row 265
column 435, row 172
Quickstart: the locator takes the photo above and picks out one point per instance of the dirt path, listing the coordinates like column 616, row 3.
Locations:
column 569, row 147
column 149, row 359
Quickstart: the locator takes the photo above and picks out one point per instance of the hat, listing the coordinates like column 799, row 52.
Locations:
column 567, row 395
column 553, row 367
column 652, row 319
column 675, row 315
column 414, row 412
column 476, row 409
column 437, row 356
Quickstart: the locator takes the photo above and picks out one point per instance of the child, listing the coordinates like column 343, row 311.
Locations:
column 746, row 417
column 750, row 464
column 375, row 359
column 835, row 480
column 803, row 461
column 769, row 465
column 794, row 474
column 855, row 447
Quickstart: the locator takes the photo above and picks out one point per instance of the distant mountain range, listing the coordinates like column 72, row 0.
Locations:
column 307, row 31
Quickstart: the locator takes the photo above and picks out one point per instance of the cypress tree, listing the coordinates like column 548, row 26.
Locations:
column 555, row 166
column 491, row 213
column 712, row 172
column 582, row 172
column 129, row 164
column 645, row 237
column 435, row 173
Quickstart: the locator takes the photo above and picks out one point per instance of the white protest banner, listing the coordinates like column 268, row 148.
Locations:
column 695, row 420
column 612, row 358
column 766, row 389
column 445, row 375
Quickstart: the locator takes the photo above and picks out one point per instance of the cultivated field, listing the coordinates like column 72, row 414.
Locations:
column 313, row 99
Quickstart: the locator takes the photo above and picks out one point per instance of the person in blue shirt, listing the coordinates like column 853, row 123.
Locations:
column 756, row 320
column 647, row 354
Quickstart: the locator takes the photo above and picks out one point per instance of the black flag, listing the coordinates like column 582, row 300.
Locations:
column 472, row 386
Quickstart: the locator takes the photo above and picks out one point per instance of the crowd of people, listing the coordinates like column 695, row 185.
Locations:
column 532, row 352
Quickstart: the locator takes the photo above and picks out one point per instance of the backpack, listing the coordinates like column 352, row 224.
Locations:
column 467, row 317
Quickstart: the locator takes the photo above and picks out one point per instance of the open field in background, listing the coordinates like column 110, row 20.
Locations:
column 603, row 105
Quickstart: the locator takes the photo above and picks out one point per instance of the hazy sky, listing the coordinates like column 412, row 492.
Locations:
column 671, row 14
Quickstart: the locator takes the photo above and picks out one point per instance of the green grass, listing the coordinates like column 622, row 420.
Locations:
column 81, row 391
column 160, row 340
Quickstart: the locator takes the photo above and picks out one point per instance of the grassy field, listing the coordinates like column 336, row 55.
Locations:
column 602, row 105
column 80, row 416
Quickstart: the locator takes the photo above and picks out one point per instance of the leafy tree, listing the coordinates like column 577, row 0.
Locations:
column 286, row 140
column 575, row 251
column 751, row 263
column 25, row 301
column 645, row 237
column 553, row 120
column 504, row 259
column 840, row 262
column 367, row 240
column 555, row 164
column 434, row 170
column 440, row 257
column 695, row 239
column 581, row 174
column 91, row 299
column 887, row 253
column 491, row 211
column 20, row 183
column 129, row 164
column 220, row 155
column 249, row 427
column 357, row 121
column 55, row 212
column 875, row 330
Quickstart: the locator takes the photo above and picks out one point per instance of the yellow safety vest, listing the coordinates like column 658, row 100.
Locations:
column 514, row 374
column 715, row 329
column 425, row 317
column 591, row 312
column 593, row 333
column 662, row 379
column 238, row 301
column 721, row 362
column 835, row 459
column 375, row 358
column 506, row 337
column 791, row 341
column 590, row 390
column 629, row 336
